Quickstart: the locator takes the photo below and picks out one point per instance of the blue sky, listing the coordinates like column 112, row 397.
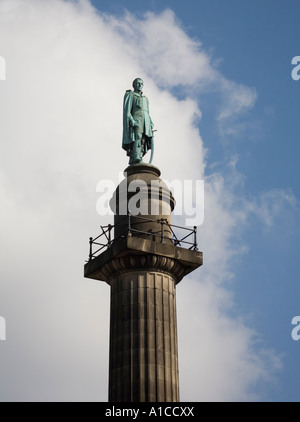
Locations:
column 227, row 90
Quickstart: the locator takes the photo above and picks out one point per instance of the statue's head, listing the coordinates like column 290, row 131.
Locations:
column 138, row 84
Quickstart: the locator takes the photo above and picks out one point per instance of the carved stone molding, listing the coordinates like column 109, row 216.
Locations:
column 133, row 254
column 143, row 262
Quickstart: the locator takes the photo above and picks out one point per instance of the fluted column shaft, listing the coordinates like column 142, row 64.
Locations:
column 143, row 338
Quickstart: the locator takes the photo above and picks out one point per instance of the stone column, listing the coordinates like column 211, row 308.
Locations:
column 143, row 363
column 142, row 265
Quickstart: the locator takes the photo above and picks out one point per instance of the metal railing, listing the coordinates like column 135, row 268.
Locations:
column 104, row 239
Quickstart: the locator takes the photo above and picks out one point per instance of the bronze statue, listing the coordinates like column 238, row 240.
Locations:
column 137, row 124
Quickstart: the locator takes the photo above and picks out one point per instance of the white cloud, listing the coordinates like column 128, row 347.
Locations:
column 220, row 347
column 268, row 206
column 60, row 126
column 237, row 98
column 166, row 52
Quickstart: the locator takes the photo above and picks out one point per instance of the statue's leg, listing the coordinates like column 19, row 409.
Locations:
column 137, row 153
column 130, row 153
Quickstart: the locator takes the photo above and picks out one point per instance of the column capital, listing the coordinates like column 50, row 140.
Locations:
column 132, row 253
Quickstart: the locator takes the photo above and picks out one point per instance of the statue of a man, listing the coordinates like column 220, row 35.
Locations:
column 137, row 123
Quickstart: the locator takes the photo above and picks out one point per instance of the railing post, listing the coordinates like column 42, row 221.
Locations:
column 195, row 238
column 129, row 224
column 109, row 235
column 162, row 234
column 91, row 248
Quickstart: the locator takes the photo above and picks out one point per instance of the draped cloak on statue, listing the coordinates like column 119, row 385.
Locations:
column 136, row 119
